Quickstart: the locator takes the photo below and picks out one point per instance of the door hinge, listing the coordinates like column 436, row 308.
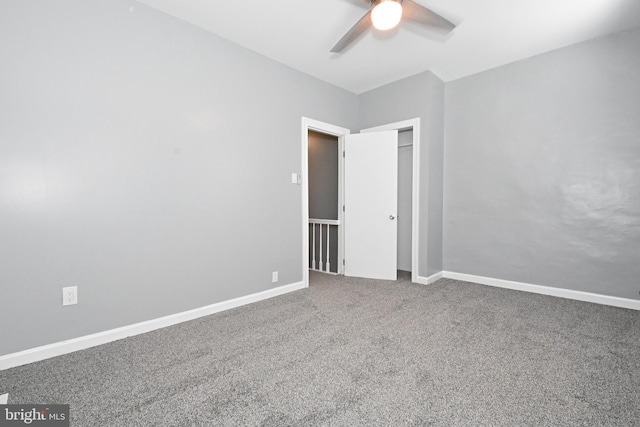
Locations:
column 342, row 208
column 343, row 261
column 343, row 154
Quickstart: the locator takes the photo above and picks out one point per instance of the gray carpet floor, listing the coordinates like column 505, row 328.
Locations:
column 351, row 352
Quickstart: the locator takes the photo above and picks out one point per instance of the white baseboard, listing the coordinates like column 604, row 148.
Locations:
column 81, row 343
column 429, row 280
column 546, row 290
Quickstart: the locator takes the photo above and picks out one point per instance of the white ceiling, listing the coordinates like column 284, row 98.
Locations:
column 490, row 33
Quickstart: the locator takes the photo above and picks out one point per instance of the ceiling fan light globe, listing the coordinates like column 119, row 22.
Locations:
column 386, row 14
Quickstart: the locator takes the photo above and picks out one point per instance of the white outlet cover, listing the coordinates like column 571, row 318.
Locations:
column 4, row 398
column 274, row 276
column 70, row 295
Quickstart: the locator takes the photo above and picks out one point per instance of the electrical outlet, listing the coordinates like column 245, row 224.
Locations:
column 274, row 277
column 70, row 295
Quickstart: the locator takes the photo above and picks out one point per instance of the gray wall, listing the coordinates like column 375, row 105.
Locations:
column 405, row 202
column 323, row 193
column 433, row 126
column 421, row 95
column 323, row 176
column 542, row 169
column 139, row 159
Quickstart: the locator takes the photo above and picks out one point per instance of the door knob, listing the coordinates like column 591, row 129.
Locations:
column 391, row 217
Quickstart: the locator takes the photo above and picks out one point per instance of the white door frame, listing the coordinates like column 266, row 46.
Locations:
column 413, row 124
column 339, row 132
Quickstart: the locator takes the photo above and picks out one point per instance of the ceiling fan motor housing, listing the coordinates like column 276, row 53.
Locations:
column 386, row 14
column 374, row 3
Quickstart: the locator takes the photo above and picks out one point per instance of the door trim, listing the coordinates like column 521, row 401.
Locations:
column 339, row 132
column 413, row 124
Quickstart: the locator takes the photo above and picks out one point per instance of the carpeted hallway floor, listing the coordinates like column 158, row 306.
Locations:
column 350, row 352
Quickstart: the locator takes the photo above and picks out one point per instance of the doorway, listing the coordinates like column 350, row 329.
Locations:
column 410, row 131
column 324, row 203
column 311, row 125
column 405, row 184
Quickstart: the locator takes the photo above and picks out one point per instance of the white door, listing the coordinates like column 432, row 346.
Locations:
column 371, row 200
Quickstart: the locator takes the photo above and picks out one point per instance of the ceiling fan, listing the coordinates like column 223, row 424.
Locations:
column 386, row 14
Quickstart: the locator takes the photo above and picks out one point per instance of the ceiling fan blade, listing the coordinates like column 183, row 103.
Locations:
column 413, row 11
column 355, row 32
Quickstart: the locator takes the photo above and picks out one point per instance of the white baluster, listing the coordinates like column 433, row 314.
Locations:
column 328, row 269
column 313, row 245
column 321, row 248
